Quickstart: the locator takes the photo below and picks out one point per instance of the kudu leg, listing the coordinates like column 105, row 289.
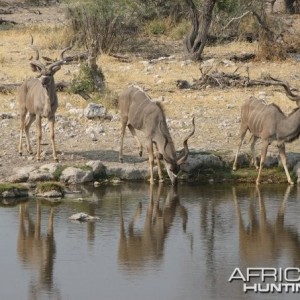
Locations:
column 52, row 135
column 151, row 160
column 254, row 162
column 22, row 126
column 160, row 174
column 243, row 132
column 264, row 150
column 140, row 147
column 30, row 119
column 282, row 154
column 123, row 128
column 39, row 136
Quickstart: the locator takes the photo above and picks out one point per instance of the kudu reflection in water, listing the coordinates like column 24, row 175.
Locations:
column 137, row 247
column 37, row 250
column 262, row 242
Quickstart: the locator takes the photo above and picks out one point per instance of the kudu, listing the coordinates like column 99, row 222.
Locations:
column 37, row 97
column 268, row 123
column 137, row 111
column 291, row 95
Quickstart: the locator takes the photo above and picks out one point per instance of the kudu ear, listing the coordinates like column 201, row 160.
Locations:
column 55, row 69
column 185, row 154
column 36, row 67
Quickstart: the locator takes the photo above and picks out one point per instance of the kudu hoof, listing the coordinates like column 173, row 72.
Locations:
column 121, row 160
column 140, row 153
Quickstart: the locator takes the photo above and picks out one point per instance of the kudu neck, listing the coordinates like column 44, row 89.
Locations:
column 289, row 127
column 165, row 146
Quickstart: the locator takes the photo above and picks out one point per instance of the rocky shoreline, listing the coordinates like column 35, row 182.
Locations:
column 199, row 168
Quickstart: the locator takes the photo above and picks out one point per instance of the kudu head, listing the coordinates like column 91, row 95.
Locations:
column 172, row 162
column 292, row 96
column 46, row 72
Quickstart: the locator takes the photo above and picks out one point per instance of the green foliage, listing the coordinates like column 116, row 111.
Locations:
column 11, row 186
column 180, row 30
column 103, row 24
column 33, row 2
column 43, row 187
column 157, row 27
column 83, row 81
column 228, row 6
column 58, row 172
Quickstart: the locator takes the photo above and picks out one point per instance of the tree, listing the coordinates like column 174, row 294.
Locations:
column 100, row 26
column 196, row 40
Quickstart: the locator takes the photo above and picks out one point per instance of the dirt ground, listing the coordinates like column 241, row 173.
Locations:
column 216, row 110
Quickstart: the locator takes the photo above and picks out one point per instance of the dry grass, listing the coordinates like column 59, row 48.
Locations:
column 210, row 106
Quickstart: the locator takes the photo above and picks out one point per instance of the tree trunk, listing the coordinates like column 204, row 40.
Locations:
column 196, row 40
column 97, row 74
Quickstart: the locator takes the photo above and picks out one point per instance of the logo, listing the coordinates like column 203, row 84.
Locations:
column 268, row 280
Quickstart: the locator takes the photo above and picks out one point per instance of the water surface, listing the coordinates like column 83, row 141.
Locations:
column 149, row 243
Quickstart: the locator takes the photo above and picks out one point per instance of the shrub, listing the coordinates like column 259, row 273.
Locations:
column 84, row 80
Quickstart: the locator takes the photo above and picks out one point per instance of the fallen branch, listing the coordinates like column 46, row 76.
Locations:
column 5, row 11
column 2, row 21
column 77, row 57
column 223, row 80
column 120, row 57
column 242, row 57
column 9, row 87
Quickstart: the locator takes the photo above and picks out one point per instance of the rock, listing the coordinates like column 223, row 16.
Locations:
column 21, row 174
column 292, row 159
column 6, row 116
column 98, row 167
column 199, row 161
column 83, row 217
column 51, row 194
column 296, row 170
column 40, row 175
column 126, row 171
column 94, row 111
column 51, row 167
column 75, row 175
column 14, row 193
column 8, row 194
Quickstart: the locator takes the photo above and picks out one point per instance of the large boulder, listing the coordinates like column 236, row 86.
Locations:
column 99, row 170
column 201, row 161
column 126, row 171
column 73, row 175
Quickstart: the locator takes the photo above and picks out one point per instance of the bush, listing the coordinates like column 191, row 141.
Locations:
column 84, row 81
column 157, row 27
column 105, row 23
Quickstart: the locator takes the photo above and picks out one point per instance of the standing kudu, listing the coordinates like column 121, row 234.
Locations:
column 137, row 111
column 270, row 124
column 37, row 98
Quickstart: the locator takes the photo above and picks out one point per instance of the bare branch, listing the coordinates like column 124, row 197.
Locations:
column 237, row 18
